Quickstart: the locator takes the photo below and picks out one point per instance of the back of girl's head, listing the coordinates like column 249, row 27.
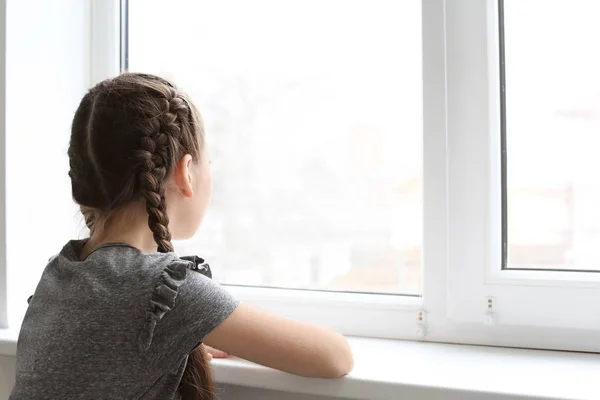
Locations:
column 128, row 134
column 126, row 137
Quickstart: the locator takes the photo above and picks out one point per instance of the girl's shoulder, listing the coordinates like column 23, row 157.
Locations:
column 126, row 258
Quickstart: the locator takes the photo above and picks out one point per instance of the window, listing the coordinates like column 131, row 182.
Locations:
column 500, row 168
column 552, row 135
column 423, row 120
column 313, row 118
column 414, row 170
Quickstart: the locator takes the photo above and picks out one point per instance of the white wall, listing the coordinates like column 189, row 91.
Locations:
column 47, row 73
column 7, row 375
column 3, row 294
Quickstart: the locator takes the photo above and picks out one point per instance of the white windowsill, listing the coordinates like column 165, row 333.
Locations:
column 390, row 369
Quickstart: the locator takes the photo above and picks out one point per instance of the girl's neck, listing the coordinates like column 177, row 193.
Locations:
column 128, row 226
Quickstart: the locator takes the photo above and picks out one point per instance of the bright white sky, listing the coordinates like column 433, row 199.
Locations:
column 338, row 121
column 340, row 82
column 552, row 66
column 362, row 57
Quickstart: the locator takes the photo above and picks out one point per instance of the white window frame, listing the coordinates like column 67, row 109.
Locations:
column 3, row 269
column 462, row 210
column 386, row 316
column 557, row 310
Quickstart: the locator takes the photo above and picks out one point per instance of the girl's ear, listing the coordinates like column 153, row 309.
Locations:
column 183, row 175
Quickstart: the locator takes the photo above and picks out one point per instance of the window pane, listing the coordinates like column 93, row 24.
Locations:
column 553, row 133
column 313, row 115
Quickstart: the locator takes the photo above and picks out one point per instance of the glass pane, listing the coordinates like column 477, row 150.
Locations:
column 313, row 115
column 553, row 133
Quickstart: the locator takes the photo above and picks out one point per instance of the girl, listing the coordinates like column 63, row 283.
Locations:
column 119, row 315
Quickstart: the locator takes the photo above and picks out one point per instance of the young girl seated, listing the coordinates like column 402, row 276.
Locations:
column 119, row 315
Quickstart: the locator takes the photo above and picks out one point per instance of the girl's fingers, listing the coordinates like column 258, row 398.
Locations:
column 215, row 353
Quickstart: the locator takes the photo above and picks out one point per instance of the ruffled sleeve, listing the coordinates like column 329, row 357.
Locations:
column 163, row 299
column 184, row 307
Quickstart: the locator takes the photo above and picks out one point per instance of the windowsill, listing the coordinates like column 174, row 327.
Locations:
column 8, row 342
column 391, row 369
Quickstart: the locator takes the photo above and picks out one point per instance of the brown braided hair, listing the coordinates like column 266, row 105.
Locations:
column 127, row 134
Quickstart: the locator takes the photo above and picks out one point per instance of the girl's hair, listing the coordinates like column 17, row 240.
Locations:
column 127, row 134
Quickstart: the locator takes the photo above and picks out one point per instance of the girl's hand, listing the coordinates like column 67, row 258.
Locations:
column 214, row 353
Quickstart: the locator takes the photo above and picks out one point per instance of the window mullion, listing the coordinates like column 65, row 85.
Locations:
column 435, row 157
column 105, row 39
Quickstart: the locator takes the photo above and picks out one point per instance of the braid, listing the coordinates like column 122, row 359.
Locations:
column 155, row 157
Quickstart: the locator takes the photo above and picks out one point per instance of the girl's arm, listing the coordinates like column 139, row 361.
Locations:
column 291, row 346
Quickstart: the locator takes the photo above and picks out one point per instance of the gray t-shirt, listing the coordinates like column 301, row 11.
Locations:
column 117, row 325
